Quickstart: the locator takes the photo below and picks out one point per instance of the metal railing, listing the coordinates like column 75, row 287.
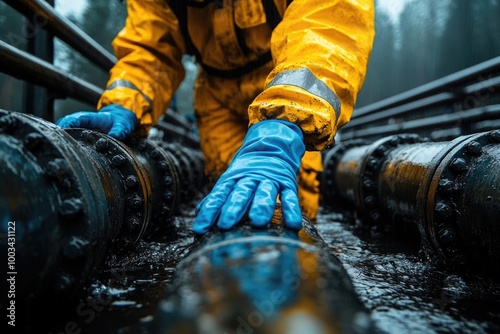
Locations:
column 65, row 30
column 45, row 81
column 30, row 67
column 24, row 66
column 464, row 102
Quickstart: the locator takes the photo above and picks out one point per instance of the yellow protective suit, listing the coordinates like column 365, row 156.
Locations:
column 319, row 49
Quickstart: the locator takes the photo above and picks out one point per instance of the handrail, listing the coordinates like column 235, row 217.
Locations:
column 24, row 66
column 431, row 105
column 66, row 31
column 426, row 102
column 462, row 117
column 450, row 81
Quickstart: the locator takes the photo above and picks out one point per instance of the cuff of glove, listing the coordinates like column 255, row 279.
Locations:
column 276, row 136
column 124, row 121
column 118, row 110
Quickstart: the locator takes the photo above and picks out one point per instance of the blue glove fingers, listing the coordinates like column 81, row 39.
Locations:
column 119, row 132
column 237, row 203
column 264, row 204
column 124, row 123
column 292, row 214
column 200, row 205
column 211, row 206
column 87, row 120
column 69, row 121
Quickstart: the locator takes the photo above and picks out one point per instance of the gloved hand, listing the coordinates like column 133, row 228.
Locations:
column 266, row 165
column 113, row 120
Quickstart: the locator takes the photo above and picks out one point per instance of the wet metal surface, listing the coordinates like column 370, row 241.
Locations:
column 450, row 190
column 272, row 280
column 404, row 292
column 402, row 286
column 76, row 195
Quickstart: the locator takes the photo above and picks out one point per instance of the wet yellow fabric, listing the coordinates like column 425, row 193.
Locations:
column 330, row 38
column 222, row 127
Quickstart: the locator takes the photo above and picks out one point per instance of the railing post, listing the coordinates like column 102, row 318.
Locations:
column 38, row 100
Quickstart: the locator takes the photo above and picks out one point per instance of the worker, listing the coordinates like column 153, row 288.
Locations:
column 277, row 79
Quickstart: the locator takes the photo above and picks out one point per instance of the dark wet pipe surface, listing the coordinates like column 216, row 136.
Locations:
column 450, row 191
column 402, row 291
column 273, row 280
column 93, row 265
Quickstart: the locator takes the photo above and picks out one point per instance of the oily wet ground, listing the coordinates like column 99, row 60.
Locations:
column 403, row 292
column 407, row 293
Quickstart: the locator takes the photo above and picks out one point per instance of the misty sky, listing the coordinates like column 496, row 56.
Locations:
column 392, row 7
column 66, row 7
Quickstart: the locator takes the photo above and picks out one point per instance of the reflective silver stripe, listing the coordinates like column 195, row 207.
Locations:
column 305, row 79
column 128, row 84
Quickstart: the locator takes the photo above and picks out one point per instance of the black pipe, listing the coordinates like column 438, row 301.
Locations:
column 449, row 190
column 76, row 194
column 271, row 280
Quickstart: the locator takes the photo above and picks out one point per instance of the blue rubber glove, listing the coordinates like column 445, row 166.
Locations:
column 266, row 165
column 113, row 120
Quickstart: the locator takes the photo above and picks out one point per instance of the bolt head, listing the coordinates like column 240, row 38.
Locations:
column 163, row 166
column 8, row 123
column 70, row 208
column 474, row 148
column 118, row 160
column 447, row 185
column 33, row 141
column 87, row 136
column 369, row 201
column 155, row 155
column 133, row 223
column 165, row 210
column 63, row 283
column 459, row 165
column 56, row 169
column 135, row 201
column 75, row 248
column 168, row 180
column 447, row 236
column 131, row 181
column 368, row 184
column 372, row 163
column 102, row 145
column 494, row 136
column 375, row 216
column 443, row 209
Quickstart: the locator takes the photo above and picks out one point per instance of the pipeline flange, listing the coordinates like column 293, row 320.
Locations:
column 466, row 177
column 190, row 163
column 125, row 178
column 52, row 204
column 161, row 166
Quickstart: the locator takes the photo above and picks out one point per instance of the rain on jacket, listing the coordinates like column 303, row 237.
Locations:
column 319, row 51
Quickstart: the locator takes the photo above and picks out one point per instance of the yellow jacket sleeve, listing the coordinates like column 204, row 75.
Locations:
column 320, row 50
column 149, row 67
